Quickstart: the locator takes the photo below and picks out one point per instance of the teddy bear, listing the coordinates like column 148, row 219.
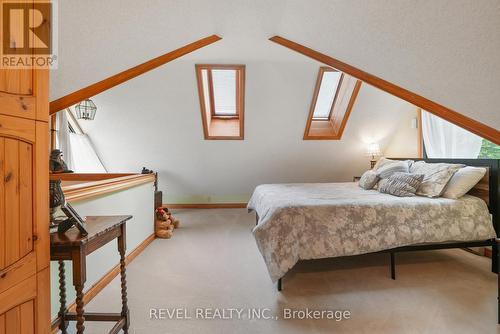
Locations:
column 165, row 222
column 164, row 234
column 161, row 214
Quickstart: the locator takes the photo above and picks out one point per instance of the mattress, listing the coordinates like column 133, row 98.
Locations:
column 320, row 220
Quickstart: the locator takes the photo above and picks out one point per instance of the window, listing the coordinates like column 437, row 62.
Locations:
column 79, row 153
column 443, row 139
column 333, row 99
column 221, row 89
column 330, row 81
column 489, row 150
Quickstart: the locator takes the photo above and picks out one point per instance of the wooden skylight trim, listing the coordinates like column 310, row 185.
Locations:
column 221, row 127
column 332, row 128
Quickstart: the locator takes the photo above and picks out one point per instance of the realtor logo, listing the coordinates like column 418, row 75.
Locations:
column 27, row 35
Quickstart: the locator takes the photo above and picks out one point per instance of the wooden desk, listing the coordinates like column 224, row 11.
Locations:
column 73, row 247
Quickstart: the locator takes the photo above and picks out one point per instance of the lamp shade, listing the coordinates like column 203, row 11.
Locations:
column 86, row 110
column 373, row 149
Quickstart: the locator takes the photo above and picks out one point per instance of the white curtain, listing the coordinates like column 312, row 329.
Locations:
column 443, row 139
column 83, row 156
column 78, row 151
column 63, row 141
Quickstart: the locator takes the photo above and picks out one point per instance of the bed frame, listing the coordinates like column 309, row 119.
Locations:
column 487, row 189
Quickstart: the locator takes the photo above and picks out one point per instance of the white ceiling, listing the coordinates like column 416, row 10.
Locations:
column 445, row 50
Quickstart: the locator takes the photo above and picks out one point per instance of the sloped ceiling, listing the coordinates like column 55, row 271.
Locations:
column 155, row 121
column 444, row 50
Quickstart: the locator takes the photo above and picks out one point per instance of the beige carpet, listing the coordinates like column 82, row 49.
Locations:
column 212, row 262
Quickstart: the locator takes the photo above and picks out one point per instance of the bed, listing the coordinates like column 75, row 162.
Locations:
column 311, row 221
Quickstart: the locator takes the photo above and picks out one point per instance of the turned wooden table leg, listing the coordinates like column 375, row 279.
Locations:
column 80, row 319
column 122, row 247
column 79, row 278
column 62, row 297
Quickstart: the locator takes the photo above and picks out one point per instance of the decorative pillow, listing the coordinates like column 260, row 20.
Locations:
column 384, row 161
column 436, row 176
column 401, row 184
column 381, row 162
column 462, row 181
column 368, row 180
column 387, row 170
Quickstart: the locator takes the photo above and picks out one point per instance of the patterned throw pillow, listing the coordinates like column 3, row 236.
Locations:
column 368, row 180
column 387, row 170
column 401, row 184
column 436, row 176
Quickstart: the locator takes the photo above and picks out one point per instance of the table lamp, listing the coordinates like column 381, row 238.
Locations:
column 373, row 151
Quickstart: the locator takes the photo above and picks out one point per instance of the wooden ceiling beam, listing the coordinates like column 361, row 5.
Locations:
column 103, row 85
column 437, row 109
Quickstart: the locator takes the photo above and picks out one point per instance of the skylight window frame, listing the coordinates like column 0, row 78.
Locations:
column 222, row 127
column 317, row 88
column 332, row 128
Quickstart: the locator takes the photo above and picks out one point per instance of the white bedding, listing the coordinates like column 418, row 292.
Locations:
column 319, row 220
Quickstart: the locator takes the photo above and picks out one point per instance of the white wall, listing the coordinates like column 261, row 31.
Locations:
column 137, row 201
column 155, row 121
column 445, row 50
column 404, row 139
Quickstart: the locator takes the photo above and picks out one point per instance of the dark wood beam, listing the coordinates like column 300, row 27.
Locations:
column 112, row 81
column 437, row 109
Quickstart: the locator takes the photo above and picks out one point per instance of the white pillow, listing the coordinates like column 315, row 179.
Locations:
column 462, row 181
column 381, row 162
column 384, row 162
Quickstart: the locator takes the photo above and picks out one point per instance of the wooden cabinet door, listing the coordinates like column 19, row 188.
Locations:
column 18, row 308
column 24, row 234
column 21, row 96
column 23, row 226
column 23, row 92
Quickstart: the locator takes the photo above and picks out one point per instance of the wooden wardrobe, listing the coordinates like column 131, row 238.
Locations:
column 24, row 233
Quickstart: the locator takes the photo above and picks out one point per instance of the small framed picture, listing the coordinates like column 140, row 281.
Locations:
column 74, row 217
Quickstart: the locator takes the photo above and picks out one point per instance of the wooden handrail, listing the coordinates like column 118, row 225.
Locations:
column 96, row 188
column 87, row 176
column 439, row 110
column 112, row 81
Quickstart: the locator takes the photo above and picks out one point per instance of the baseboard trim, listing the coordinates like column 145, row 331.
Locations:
column 106, row 279
column 206, row 206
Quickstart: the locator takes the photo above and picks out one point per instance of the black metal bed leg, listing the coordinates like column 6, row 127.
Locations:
column 393, row 266
column 494, row 258
column 279, row 285
column 496, row 255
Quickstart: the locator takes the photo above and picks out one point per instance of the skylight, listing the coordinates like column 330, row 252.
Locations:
column 332, row 101
column 329, row 84
column 224, row 86
column 221, row 90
